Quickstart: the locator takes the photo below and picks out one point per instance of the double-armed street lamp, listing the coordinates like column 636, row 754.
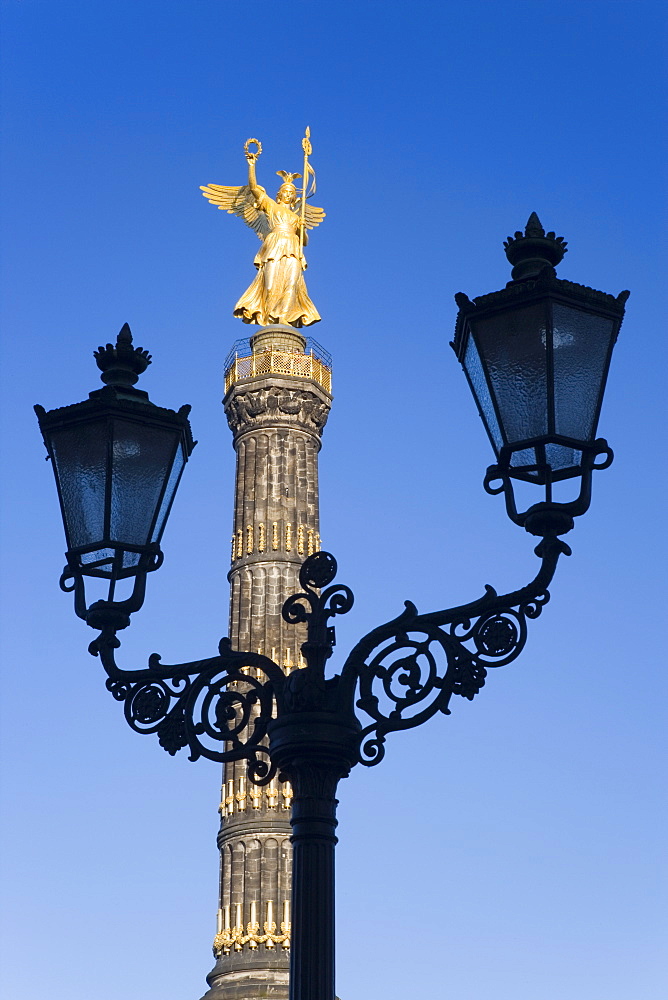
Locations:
column 536, row 356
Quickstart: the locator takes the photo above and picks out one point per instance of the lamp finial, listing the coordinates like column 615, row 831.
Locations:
column 532, row 251
column 533, row 227
column 124, row 335
column 122, row 364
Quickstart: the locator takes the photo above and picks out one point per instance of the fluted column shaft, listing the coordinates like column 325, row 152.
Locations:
column 276, row 420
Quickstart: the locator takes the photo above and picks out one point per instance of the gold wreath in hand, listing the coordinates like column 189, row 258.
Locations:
column 252, row 155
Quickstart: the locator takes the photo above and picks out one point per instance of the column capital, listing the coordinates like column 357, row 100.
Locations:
column 259, row 403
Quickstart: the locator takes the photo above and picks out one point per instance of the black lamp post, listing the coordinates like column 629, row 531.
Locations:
column 536, row 355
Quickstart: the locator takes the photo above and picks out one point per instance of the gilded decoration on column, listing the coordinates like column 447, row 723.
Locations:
column 307, row 540
column 237, row 794
column 272, row 794
column 236, row 937
column 240, row 797
column 278, row 294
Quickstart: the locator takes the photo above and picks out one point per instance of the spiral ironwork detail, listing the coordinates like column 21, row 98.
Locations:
column 399, row 675
column 218, row 708
column 315, row 609
column 407, row 670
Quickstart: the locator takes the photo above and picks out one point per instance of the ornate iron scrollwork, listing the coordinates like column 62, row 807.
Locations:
column 305, row 689
column 408, row 669
column 400, row 674
column 219, row 708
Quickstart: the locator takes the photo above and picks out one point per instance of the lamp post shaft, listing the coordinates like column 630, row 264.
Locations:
column 313, row 843
column 314, row 749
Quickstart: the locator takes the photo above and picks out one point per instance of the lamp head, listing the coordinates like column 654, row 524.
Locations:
column 536, row 355
column 117, row 459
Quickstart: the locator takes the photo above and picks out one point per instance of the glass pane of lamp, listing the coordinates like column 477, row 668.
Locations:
column 561, row 457
column 80, row 455
column 142, row 461
column 527, row 460
column 168, row 496
column 474, row 370
column 581, row 342
column 512, row 345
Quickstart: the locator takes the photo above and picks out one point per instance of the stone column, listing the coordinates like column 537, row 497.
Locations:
column 277, row 403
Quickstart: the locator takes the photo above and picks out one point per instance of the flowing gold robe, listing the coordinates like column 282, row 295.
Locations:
column 278, row 294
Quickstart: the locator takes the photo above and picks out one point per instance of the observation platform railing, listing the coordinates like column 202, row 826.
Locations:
column 273, row 362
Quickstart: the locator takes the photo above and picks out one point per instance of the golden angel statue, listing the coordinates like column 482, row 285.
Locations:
column 278, row 294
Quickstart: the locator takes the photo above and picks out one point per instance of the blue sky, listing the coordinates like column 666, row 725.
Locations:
column 515, row 849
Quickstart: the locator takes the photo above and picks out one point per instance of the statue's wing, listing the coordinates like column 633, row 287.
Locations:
column 239, row 201
column 313, row 216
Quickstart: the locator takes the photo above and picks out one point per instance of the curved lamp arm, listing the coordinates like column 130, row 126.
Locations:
column 219, row 707
column 409, row 668
column 406, row 670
